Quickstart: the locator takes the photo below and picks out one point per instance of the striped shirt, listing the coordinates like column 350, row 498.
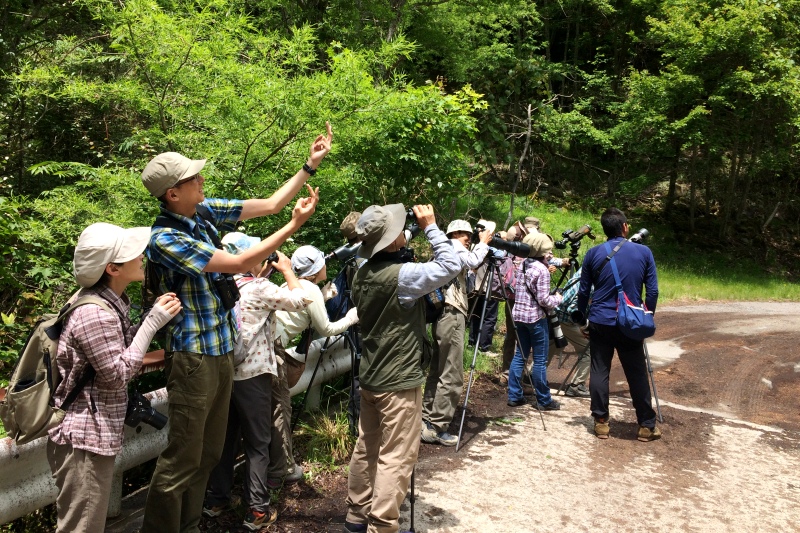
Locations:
column 533, row 278
column 92, row 336
column 206, row 326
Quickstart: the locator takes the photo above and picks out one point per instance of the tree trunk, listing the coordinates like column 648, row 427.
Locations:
column 519, row 169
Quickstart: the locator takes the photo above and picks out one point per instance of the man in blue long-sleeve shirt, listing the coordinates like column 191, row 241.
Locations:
column 637, row 268
column 388, row 291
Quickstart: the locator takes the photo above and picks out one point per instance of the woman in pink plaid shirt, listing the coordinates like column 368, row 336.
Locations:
column 81, row 450
column 532, row 300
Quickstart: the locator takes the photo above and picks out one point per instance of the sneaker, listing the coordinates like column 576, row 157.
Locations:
column 446, row 439
column 577, row 391
column 255, row 520
column 274, row 483
column 352, row 527
column 216, row 510
column 554, row 405
column 601, row 428
column 648, row 434
column 428, row 434
column 517, row 403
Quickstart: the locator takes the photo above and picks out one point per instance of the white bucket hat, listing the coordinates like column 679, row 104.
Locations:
column 165, row 170
column 379, row 226
column 458, row 225
column 101, row 244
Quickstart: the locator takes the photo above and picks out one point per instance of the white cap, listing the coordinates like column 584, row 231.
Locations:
column 237, row 242
column 458, row 225
column 307, row 261
column 101, row 244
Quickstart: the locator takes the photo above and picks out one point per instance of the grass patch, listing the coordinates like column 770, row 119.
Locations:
column 326, row 438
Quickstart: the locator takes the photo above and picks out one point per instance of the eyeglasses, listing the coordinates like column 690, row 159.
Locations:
column 187, row 180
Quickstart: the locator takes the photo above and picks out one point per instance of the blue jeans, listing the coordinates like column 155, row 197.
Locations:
column 530, row 336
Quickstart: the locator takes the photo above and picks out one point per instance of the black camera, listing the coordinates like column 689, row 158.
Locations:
column 344, row 253
column 519, row 249
column 227, row 290
column 639, row 236
column 574, row 237
column 140, row 410
column 476, row 237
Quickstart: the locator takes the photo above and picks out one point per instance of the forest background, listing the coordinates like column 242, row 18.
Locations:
column 683, row 112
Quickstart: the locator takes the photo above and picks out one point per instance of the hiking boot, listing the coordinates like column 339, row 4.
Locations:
column 554, row 405
column 352, row 527
column 216, row 510
column 577, row 391
column 601, row 428
column 517, row 403
column 255, row 520
column 647, row 434
column 428, row 434
column 274, row 483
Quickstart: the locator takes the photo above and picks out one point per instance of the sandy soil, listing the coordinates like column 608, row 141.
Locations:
column 728, row 377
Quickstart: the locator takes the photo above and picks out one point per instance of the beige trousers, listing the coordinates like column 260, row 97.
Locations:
column 446, row 375
column 384, row 457
column 84, row 486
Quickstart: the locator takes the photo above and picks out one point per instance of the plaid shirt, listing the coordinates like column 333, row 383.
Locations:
column 93, row 336
column 532, row 278
column 569, row 303
column 206, row 327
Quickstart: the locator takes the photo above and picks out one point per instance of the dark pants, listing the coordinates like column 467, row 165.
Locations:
column 489, row 322
column 603, row 340
column 250, row 423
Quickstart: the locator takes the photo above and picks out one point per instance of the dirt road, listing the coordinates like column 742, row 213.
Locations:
column 728, row 377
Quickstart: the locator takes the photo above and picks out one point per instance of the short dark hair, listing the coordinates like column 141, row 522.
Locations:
column 612, row 220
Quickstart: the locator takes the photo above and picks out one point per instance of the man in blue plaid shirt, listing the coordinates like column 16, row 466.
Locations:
column 199, row 351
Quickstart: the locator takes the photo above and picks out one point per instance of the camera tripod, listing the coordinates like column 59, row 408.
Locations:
column 493, row 269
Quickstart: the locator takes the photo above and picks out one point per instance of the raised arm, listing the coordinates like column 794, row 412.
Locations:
column 280, row 198
column 227, row 263
column 417, row 279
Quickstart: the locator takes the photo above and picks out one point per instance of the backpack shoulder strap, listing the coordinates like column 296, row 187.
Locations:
column 90, row 372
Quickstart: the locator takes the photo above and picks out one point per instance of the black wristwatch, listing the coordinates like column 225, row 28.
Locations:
column 311, row 171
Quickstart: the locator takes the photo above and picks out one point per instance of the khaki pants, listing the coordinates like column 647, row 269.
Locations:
column 199, row 389
column 446, row 376
column 384, row 457
column 281, row 458
column 581, row 346
column 84, row 486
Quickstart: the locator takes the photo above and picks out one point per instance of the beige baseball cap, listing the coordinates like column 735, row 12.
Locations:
column 101, row 244
column 540, row 243
column 379, row 226
column 165, row 170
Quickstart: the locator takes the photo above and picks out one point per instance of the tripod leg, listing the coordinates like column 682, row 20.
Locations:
column 296, row 418
column 474, row 358
column 652, row 381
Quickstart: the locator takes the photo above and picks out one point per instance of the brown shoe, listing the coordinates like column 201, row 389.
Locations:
column 646, row 434
column 601, row 428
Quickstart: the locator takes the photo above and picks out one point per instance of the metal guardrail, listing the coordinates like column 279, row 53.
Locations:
column 27, row 484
